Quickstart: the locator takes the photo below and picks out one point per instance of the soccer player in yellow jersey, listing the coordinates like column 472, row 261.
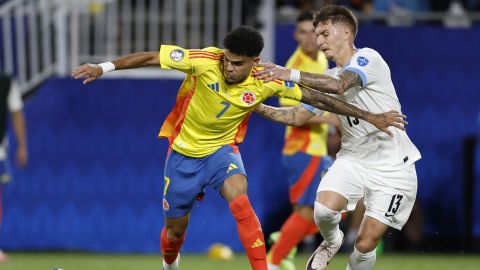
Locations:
column 207, row 123
column 305, row 158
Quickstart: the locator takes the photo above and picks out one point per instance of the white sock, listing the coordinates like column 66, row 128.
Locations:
column 361, row 261
column 327, row 221
column 173, row 266
column 272, row 266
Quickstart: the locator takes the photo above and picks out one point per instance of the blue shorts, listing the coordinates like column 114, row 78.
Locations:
column 5, row 175
column 304, row 173
column 185, row 178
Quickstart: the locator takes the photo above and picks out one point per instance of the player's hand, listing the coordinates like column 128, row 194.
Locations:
column 272, row 72
column 22, row 157
column 392, row 118
column 88, row 72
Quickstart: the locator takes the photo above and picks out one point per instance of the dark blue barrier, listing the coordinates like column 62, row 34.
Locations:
column 476, row 192
column 95, row 177
column 94, row 181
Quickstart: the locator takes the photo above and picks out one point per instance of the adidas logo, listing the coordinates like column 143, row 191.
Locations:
column 214, row 86
column 258, row 243
column 231, row 167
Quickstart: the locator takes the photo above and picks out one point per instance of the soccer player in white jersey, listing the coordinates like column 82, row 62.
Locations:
column 370, row 164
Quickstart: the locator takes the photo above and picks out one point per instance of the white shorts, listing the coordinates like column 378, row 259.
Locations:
column 388, row 195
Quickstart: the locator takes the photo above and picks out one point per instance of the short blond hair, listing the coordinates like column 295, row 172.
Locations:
column 336, row 14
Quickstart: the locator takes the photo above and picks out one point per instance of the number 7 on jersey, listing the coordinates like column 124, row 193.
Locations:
column 227, row 105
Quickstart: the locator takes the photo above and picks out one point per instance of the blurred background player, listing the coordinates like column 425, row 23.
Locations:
column 305, row 156
column 11, row 103
column 207, row 123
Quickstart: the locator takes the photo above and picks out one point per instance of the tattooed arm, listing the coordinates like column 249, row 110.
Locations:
column 325, row 102
column 330, row 119
column 297, row 116
column 332, row 104
column 324, row 83
column 329, row 84
column 291, row 116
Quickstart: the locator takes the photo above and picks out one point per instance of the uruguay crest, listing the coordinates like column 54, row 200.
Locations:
column 362, row 61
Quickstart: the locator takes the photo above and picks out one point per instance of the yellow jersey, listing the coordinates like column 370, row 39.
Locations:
column 310, row 139
column 210, row 113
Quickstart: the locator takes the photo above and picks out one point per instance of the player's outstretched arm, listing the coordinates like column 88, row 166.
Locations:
column 90, row 72
column 330, row 119
column 328, row 103
column 324, row 83
column 291, row 116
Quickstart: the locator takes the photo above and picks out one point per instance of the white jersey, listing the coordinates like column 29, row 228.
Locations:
column 362, row 141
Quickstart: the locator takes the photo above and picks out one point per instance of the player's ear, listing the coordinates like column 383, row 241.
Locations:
column 347, row 32
column 256, row 60
column 295, row 35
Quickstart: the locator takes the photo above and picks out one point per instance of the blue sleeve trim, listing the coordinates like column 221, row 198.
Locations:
column 309, row 108
column 360, row 73
column 312, row 109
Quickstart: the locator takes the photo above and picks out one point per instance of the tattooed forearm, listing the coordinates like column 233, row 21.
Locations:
column 331, row 104
column 284, row 115
column 329, row 84
column 381, row 121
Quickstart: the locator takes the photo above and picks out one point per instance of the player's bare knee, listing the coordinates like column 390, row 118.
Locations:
column 234, row 186
column 365, row 244
column 323, row 214
column 175, row 232
column 233, row 193
column 332, row 200
column 176, row 227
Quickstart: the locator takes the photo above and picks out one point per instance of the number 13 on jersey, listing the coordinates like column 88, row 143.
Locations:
column 353, row 122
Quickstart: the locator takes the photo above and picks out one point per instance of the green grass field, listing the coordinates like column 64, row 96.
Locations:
column 87, row 261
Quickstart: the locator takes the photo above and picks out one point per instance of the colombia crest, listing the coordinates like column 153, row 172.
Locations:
column 248, row 97
column 166, row 206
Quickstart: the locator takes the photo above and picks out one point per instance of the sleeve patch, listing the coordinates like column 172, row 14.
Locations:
column 177, row 55
column 289, row 84
column 362, row 61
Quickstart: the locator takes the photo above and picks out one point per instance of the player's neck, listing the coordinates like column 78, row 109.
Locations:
column 312, row 55
column 344, row 56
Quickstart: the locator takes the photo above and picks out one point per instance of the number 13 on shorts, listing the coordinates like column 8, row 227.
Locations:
column 394, row 205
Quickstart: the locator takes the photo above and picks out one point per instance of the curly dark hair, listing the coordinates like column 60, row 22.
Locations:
column 337, row 14
column 244, row 41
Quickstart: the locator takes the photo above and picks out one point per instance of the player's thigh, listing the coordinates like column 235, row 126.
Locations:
column 183, row 181
column 226, row 163
column 303, row 173
column 390, row 196
column 341, row 187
